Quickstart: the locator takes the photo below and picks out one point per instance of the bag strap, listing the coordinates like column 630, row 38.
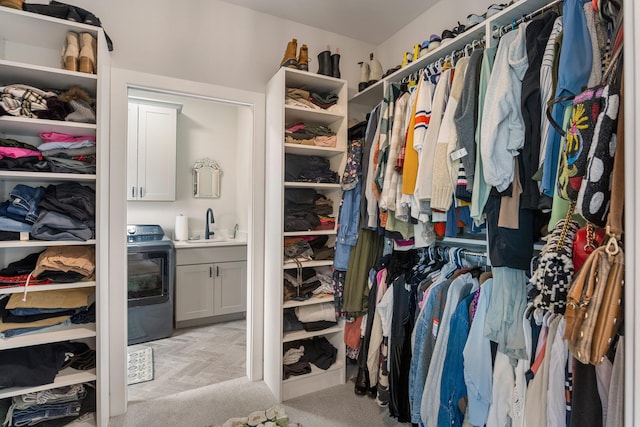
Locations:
column 614, row 220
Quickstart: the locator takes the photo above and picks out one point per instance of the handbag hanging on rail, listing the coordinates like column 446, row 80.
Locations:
column 594, row 309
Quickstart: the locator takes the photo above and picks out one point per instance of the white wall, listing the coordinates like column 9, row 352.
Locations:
column 443, row 15
column 212, row 42
column 205, row 129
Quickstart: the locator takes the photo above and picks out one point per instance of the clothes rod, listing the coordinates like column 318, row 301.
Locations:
column 498, row 30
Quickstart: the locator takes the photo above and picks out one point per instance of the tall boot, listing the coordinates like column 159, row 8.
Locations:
column 376, row 70
column 71, row 51
column 303, row 58
column 87, row 57
column 324, row 63
column 364, row 76
column 289, row 60
column 335, row 64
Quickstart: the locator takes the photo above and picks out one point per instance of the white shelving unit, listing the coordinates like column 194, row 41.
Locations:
column 278, row 115
column 30, row 46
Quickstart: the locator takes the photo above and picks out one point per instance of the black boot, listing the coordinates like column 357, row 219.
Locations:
column 335, row 65
column 362, row 382
column 324, row 63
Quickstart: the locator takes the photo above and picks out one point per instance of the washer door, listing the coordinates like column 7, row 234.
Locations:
column 148, row 277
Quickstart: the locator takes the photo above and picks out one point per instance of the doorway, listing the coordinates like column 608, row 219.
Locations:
column 248, row 110
column 201, row 347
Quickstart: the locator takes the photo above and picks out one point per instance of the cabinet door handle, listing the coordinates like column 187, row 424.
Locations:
column 141, row 192
column 133, row 192
column 217, row 271
column 210, row 271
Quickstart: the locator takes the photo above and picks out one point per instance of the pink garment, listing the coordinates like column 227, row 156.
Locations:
column 63, row 137
column 326, row 141
column 14, row 152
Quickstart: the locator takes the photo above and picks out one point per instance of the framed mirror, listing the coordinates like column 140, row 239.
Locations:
column 206, row 179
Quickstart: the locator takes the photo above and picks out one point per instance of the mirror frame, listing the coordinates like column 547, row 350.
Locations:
column 207, row 175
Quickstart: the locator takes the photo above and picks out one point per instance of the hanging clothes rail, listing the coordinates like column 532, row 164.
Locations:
column 500, row 30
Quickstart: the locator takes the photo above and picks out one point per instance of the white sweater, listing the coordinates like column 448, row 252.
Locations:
column 428, row 145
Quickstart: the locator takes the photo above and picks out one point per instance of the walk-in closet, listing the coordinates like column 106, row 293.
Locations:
column 393, row 213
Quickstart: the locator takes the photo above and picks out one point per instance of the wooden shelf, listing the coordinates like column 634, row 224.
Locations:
column 312, row 81
column 339, row 364
column 301, row 335
column 7, row 175
column 308, row 115
column 312, row 185
column 32, row 127
column 311, row 301
column 65, row 377
column 52, row 287
column 45, row 78
column 310, row 233
column 322, row 263
column 42, row 243
column 50, row 335
column 313, row 150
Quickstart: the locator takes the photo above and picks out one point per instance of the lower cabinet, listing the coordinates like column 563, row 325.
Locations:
column 209, row 292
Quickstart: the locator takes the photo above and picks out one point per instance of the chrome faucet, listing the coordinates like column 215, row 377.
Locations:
column 208, row 220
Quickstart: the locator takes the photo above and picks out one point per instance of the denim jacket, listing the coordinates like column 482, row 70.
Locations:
column 453, row 386
column 348, row 227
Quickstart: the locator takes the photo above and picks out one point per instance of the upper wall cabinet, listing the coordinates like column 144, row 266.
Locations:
column 151, row 159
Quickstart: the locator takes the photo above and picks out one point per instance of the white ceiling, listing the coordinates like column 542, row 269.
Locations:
column 372, row 21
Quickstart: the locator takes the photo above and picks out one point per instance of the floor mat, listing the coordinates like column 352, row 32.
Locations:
column 139, row 366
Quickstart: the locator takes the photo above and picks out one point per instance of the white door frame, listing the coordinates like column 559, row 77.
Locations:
column 121, row 80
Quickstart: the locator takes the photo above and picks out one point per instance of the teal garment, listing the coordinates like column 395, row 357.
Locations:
column 560, row 206
column 363, row 256
column 481, row 189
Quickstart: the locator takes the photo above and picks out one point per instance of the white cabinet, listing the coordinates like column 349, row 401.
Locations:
column 280, row 114
column 194, row 293
column 229, row 290
column 30, row 46
column 211, row 285
column 151, row 152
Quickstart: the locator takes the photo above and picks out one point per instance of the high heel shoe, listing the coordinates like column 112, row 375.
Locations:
column 70, row 51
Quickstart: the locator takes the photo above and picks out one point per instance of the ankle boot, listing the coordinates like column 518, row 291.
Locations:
column 376, row 70
column 335, row 65
column 303, row 58
column 13, row 4
column 364, row 76
column 289, row 59
column 324, row 63
column 70, row 51
column 87, row 58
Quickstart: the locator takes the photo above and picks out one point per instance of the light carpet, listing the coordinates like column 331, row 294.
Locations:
column 212, row 405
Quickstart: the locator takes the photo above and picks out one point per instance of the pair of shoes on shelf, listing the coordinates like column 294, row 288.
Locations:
column 301, row 62
column 328, row 63
column 429, row 45
column 369, row 73
column 79, row 52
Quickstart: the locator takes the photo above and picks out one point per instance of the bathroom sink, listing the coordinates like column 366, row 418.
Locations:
column 211, row 241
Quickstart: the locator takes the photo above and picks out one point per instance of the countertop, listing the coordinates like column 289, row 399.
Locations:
column 211, row 243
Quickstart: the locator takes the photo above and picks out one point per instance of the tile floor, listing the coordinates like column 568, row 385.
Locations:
column 192, row 358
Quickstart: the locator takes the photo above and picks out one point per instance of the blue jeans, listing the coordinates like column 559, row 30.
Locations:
column 24, row 201
column 10, row 224
column 48, row 411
